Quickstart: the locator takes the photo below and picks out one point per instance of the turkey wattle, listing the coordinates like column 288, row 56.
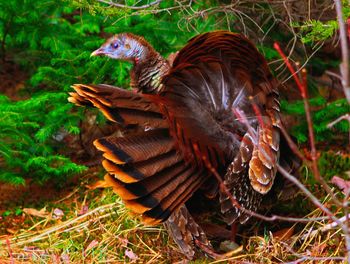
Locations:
column 187, row 110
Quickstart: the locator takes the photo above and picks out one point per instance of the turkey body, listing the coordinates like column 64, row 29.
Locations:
column 217, row 111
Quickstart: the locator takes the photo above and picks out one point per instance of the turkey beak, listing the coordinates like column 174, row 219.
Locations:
column 98, row 52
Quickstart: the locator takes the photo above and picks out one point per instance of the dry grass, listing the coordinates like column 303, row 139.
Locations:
column 107, row 233
column 104, row 234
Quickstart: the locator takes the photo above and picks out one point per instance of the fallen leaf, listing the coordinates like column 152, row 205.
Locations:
column 34, row 212
column 131, row 255
column 11, row 231
column 284, row 233
column 84, row 209
column 216, row 231
column 123, row 241
column 228, row 245
column 57, row 213
column 341, row 184
column 92, row 244
column 65, row 259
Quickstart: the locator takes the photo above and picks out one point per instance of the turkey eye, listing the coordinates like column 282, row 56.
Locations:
column 115, row 45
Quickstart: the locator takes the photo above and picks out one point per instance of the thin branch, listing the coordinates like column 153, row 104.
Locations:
column 341, row 118
column 344, row 67
column 313, row 199
column 344, row 71
column 330, row 73
column 130, row 7
column 302, row 259
column 291, row 69
column 302, row 86
column 326, row 227
column 293, row 145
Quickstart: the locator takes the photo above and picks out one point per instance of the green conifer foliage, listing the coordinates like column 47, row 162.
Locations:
column 325, row 114
column 52, row 40
column 29, row 132
column 312, row 33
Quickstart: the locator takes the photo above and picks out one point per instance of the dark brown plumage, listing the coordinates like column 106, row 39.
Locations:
column 187, row 113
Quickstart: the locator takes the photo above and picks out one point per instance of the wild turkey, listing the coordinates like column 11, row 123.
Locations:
column 191, row 113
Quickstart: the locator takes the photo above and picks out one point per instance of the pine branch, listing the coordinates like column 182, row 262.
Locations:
column 130, row 7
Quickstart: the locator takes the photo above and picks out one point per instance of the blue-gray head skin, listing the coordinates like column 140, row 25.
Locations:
column 126, row 46
column 149, row 65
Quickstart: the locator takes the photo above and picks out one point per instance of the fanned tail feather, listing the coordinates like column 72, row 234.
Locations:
column 153, row 180
column 119, row 105
column 144, row 168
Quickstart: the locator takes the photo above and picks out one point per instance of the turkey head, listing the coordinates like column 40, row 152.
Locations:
column 148, row 65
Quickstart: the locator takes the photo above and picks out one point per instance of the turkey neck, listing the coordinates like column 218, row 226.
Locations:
column 148, row 70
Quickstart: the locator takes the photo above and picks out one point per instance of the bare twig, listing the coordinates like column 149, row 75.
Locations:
column 344, row 67
column 292, row 145
column 313, row 199
column 130, row 7
column 330, row 73
column 302, row 259
column 302, row 86
column 341, row 118
column 12, row 261
column 326, row 227
column 291, row 69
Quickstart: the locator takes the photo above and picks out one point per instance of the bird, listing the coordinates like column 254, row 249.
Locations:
column 210, row 123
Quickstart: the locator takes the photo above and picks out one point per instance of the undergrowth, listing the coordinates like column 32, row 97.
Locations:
column 97, row 228
column 30, row 140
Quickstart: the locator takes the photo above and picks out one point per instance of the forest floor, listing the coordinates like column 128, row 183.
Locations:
column 88, row 224
column 82, row 223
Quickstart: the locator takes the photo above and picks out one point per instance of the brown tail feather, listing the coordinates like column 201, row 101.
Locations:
column 112, row 96
column 140, row 170
column 174, row 200
column 136, row 147
column 140, row 189
column 155, row 198
column 148, row 173
column 119, row 105
column 159, row 195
